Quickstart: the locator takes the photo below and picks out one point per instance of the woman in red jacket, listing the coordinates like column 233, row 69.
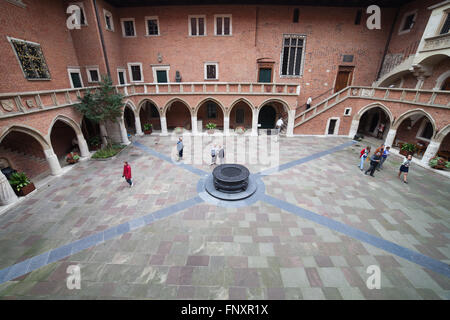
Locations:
column 127, row 173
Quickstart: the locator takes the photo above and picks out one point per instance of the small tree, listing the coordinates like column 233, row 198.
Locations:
column 102, row 105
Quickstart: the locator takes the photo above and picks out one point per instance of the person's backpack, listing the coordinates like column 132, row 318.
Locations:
column 213, row 152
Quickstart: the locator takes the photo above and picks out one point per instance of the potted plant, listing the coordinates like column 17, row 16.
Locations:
column 438, row 163
column 72, row 158
column 94, row 143
column 21, row 184
column 178, row 130
column 239, row 130
column 148, row 128
column 211, row 126
column 408, row 148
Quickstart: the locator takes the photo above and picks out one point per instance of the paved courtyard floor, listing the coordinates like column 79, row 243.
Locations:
column 312, row 232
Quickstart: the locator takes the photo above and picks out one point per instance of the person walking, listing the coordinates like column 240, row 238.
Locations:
column 180, row 147
column 363, row 156
column 213, row 154
column 384, row 156
column 374, row 160
column 405, row 168
column 221, row 154
column 380, row 131
column 308, row 103
column 127, row 173
column 278, row 126
column 380, row 150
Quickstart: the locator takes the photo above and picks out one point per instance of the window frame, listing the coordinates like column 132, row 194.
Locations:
column 10, row 40
column 122, row 23
column 160, row 68
column 130, row 64
column 75, row 70
column 402, row 23
column 208, row 104
column 189, row 25
column 336, row 127
column 215, row 24
column 147, row 33
column 446, row 15
column 205, row 70
column 124, row 76
column 349, row 113
column 302, row 62
column 89, row 77
column 106, row 13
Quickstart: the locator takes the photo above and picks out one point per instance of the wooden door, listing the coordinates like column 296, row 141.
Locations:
column 343, row 78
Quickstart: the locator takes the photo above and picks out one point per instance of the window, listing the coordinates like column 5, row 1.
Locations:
column 408, row 22
column 152, row 25
column 358, row 17
column 75, row 78
column 135, row 71
column 128, row 29
column 31, row 59
column 121, row 76
column 93, row 74
column 222, row 25
column 446, row 26
column 211, row 108
column 197, row 25
column 265, row 75
column 332, row 126
column 211, row 71
column 160, row 74
column 108, row 20
column 240, row 115
column 292, row 55
column 347, row 112
column 296, row 14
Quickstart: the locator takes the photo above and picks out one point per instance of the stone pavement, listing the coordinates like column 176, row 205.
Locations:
column 172, row 245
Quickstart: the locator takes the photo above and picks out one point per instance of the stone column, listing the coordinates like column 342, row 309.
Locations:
column 431, row 151
column 290, row 125
column 255, row 123
column 194, row 125
column 103, row 134
column 123, row 132
column 138, row 126
column 390, row 137
column 7, row 194
column 226, row 126
column 163, row 126
column 53, row 163
column 353, row 128
column 82, row 145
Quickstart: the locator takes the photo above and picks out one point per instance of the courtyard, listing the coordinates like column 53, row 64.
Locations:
column 314, row 227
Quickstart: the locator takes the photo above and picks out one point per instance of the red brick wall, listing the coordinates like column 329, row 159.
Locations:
column 248, row 114
column 23, row 163
column 438, row 70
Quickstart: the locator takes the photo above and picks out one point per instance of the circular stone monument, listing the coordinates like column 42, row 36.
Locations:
column 230, row 182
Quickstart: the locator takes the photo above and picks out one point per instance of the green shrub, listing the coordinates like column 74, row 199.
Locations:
column 94, row 141
column 19, row 180
column 211, row 126
column 437, row 161
column 147, row 126
column 108, row 152
column 409, row 147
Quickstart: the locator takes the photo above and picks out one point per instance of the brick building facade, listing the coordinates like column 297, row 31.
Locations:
column 233, row 65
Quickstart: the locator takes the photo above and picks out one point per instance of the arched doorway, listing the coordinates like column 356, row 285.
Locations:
column 149, row 113
column 241, row 115
column 267, row 117
column 370, row 121
column 210, row 112
column 129, row 120
column 64, row 140
column 24, row 153
column 91, row 132
column 178, row 115
column 414, row 127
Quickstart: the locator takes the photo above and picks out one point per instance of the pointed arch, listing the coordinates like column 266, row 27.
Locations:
column 409, row 113
column 212, row 100
column 244, row 100
column 27, row 130
column 131, row 105
column 442, row 133
column 363, row 110
column 169, row 103
column 143, row 102
column 69, row 121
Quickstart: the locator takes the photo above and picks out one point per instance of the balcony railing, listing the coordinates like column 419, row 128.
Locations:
column 17, row 103
column 210, row 88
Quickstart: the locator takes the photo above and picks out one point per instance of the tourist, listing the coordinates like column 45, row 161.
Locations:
column 180, row 148
column 384, row 156
column 213, row 154
column 221, row 154
column 363, row 156
column 308, row 103
column 374, row 161
column 405, row 167
column 278, row 126
column 380, row 131
column 127, row 173
column 380, row 149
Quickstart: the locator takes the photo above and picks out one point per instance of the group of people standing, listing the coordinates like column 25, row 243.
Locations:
column 378, row 158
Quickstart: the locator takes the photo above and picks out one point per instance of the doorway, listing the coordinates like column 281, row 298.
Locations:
column 344, row 78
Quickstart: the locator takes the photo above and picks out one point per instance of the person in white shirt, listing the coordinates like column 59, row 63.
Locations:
column 278, row 126
column 308, row 103
column 221, row 154
column 405, row 168
column 213, row 154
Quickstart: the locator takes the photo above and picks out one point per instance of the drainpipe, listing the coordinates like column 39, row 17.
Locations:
column 387, row 43
column 102, row 40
